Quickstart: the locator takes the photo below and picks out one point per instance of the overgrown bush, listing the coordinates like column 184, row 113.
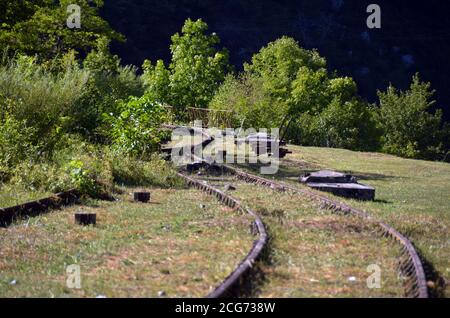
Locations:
column 251, row 104
column 131, row 171
column 16, row 145
column 69, row 123
column 108, row 84
column 41, row 99
column 92, row 169
column 350, row 125
column 289, row 87
column 74, row 164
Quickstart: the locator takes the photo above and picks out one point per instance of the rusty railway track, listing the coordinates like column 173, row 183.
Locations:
column 34, row 208
column 240, row 278
column 410, row 263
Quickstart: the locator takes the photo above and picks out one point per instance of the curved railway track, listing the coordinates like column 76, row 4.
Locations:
column 238, row 280
column 410, row 265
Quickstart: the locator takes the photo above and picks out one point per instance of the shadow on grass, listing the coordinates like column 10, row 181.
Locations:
column 382, row 201
column 438, row 284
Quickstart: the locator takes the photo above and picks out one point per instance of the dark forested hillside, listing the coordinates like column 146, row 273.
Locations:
column 414, row 35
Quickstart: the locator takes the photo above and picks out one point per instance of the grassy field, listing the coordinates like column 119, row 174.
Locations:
column 172, row 246
column 142, row 250
column 11, row 196
column 411, row 195
column 315, row 253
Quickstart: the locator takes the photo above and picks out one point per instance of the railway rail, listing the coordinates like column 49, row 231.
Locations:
column 410, row 264
column 240, row 279
column 30, row 209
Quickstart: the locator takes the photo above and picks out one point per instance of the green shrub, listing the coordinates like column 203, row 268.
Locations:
column 41, row 99
column 74, row 164
column 409, row 129
column 349, row 125
column 91, row 169
column 196, row 70
column 108, row 84
column 136, row 131
column 250, row 103
column 41, row 177
column 131, row 171
column 16, row 145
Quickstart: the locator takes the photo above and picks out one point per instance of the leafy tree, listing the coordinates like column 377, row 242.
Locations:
column 309, row 92
column 108, row 83
column 293, row 77
column 157, row 80
column 195, row 72
column 409, row 129
column 279, row 63
column 289, row 87
column 349, row 125
column 12, row 12
column 250, row 103
column 100, row 60
column 39, row 28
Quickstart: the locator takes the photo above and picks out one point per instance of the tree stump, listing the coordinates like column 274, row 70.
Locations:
column 142, row 196
column 86, row 218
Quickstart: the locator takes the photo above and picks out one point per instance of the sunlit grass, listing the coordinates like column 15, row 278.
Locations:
column 172, row 245
column 315, row 253
column 412, row 195
column 15, row 195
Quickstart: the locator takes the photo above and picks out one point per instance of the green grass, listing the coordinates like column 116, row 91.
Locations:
column 411, row 195
column 315, row 253
column 136, row 250
column 15, row 195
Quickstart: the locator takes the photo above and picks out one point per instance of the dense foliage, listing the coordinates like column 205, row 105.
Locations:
column 195, row 72
column 63, row 119
column 72, row 116
column 137, row 128
column 39, row 27
column 409, row 130
column 289, row 87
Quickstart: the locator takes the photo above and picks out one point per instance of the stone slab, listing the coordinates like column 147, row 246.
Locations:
column 327, row 176
column 348, row 190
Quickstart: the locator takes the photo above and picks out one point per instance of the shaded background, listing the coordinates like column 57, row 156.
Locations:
column 415, row 35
